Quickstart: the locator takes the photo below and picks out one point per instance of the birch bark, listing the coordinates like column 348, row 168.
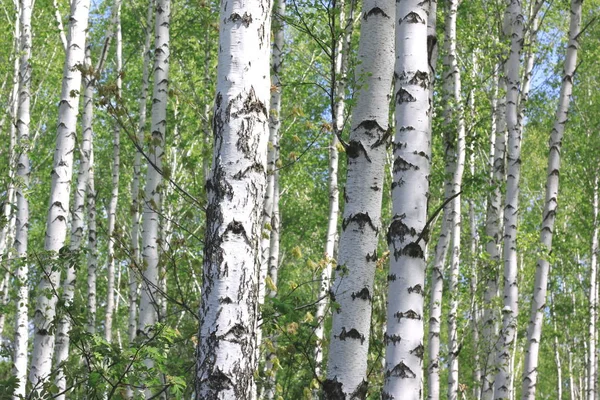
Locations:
column 152, row 192
column 493, row 225
column 236, row 188
column 114, row 198
column 22, row 217
column 62, row 172
column 272, row 155
column 502, row 386
column 458, row 121
column 361, row 225
column 534, row 329
column 88, row 145
column 135, row 184
column 592, row 372
column 341, row 48
column 410, row 187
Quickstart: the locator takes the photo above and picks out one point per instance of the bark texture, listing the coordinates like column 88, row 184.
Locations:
column 353, row 288
column 62, row 172
column 538, row 302
column 149, row 301
column 236, row 188
column 514, row 26
column 410, row 187
column 22, row 216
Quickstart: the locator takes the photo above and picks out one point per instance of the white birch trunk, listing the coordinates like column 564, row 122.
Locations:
column 591, row 361
column 273, row 269
column 274, row 127
column 22, row 217
column 236, row 189
column 152, row 192
column 135, row 185
column 338, row 104
column 90, row 191
column 502, row 386
column 361, row 225
column 459, row 122
column 62, row 172
column 410, row 188
column 534, row 329
column 114, row 198
column 493, row 228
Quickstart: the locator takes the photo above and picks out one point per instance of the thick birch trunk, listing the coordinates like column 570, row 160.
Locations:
column 502, row 386
column 152, row 193
column 361, row 225
column 114, row 198
column 338, row 104
column 236, row 189
column 135, row 185
column 534, row 330
column 62, row 172
column 410, row 188
column 22, row 217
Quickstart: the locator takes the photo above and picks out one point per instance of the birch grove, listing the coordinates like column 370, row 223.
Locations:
column 214, row 206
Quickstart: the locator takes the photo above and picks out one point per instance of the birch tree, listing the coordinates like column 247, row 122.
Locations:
column 135, row 183
column 406, row 237
column 534, row 329
column 366, row 151
column 152, row 192
column 22, row 217
column 514, row 27
column 236, row 188
column 62, row 172
column 114, row 198
column 339, row 66
column 458, row 118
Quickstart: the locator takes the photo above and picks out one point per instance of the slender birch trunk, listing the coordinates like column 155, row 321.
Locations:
column 453, row 87
column 339, row 68
column 22, row 217
column 90, row 191
column 135, row 185
column 366, row 151
column 114, row 198
column 62, row 172
column 493, row 228
column 274, row 128
column 7, row 231
column 152, row 193
column 534, row 330
column 441, row 248
column 236, row 187
column 410, row 188
column 475, row 243
column 591, row 361
column 502, row 386
column 273, row 269
column 64, row 326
